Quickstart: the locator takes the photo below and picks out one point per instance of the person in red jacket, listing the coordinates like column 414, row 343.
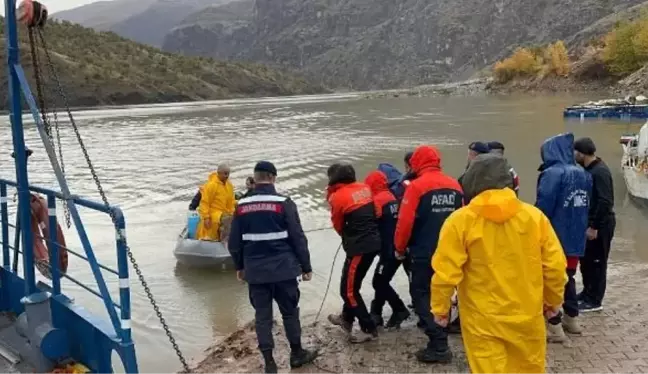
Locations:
column 354, row 219
column 429, row 199
column 386, row 206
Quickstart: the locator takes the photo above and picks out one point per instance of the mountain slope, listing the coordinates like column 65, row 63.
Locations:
column 364, row 44
column 102, row 15
column 151, row 25
column 231, row 22
column 101, row 68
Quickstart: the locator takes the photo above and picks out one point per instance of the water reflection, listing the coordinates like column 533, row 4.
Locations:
column 218, row 294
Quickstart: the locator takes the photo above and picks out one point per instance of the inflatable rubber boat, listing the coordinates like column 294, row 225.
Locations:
column 201, row 253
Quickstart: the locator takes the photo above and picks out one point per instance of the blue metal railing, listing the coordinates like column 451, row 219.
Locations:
column 122, row 326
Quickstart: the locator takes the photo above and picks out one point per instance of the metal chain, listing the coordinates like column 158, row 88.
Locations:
column 40, row 95
column 66, row 210
column 136, row 267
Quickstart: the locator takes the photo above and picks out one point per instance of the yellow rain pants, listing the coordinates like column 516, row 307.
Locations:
column 506, row 262
column 217, row 199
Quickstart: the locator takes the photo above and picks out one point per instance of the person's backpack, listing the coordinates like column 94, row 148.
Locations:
column 394, row 179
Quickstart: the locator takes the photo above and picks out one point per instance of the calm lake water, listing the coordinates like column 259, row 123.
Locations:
column 152, row 159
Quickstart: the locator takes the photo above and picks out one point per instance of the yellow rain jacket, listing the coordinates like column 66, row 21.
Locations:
column 504, row 258
column 217, row 199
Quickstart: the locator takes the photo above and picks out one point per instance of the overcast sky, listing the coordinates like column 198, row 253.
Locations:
column 57, row 5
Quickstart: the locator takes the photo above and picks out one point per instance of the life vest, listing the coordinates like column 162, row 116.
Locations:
column 41, row 232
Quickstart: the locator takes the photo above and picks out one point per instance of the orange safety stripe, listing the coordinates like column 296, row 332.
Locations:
column 351, row 274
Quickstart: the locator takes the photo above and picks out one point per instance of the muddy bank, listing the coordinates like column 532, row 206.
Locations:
column 464, row 88
column 392, row 352
column 613, row 341
column 549, row 86
column 487, row 86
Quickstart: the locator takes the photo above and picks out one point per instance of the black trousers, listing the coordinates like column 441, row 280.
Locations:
column 595, row 262
column 570, row 305
column 286, row 294
column 385, row 271
column 353, row 273
column 420, row 287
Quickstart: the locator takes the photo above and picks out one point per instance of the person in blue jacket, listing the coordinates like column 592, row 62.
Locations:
column 563, row 195
column 270, row 251
column 396, row 180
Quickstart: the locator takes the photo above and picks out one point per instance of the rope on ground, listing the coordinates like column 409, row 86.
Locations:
column 328, row 285
column 318, row 229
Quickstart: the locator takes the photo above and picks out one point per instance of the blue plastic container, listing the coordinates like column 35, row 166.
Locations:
column 192, row 224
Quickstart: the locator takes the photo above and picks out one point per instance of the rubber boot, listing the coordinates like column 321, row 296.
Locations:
column 432, row 356
column 300, row 357
column 338, row 320
column 377, row 319
column 555, row 333
column 270, row 364
column 397, row 319
column 571, row 325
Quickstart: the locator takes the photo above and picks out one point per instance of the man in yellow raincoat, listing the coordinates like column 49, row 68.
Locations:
column 507, row 263
column 217, row 200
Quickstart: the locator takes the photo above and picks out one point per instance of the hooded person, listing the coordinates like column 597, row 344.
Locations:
column 429, row 199
column 563, row 195
column 354, row 218
column 504, row 258
column 386, row 207
column 396, row 180
column 216, row 205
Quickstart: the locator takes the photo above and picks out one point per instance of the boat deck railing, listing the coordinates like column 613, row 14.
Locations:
column 121, row 324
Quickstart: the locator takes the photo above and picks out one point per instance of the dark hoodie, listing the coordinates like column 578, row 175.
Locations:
column 386, row 207
column 428, row 201
column 352, row 211
column 564, row 191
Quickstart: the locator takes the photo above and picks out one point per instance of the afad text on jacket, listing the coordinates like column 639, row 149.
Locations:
column 267, row 239
column 563, row 193
column 386, row 207
column 429, row 200
column 354, row 218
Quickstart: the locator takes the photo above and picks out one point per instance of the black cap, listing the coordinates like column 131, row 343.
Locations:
column 265, row 166
column 585, row 146
column 479, row 147
column 28, row 152
column 495, row 145
column 408, row 157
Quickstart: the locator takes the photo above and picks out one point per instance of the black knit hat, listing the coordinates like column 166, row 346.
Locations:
column 585, row 146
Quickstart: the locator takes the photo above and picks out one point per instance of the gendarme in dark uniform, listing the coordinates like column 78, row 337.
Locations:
column 270, row 251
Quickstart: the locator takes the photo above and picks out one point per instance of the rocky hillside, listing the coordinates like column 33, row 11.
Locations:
column 232, row 22
column 102, row 15
column 101, row 68
column 364, row 44
column 610, row 55
column 144, row 21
